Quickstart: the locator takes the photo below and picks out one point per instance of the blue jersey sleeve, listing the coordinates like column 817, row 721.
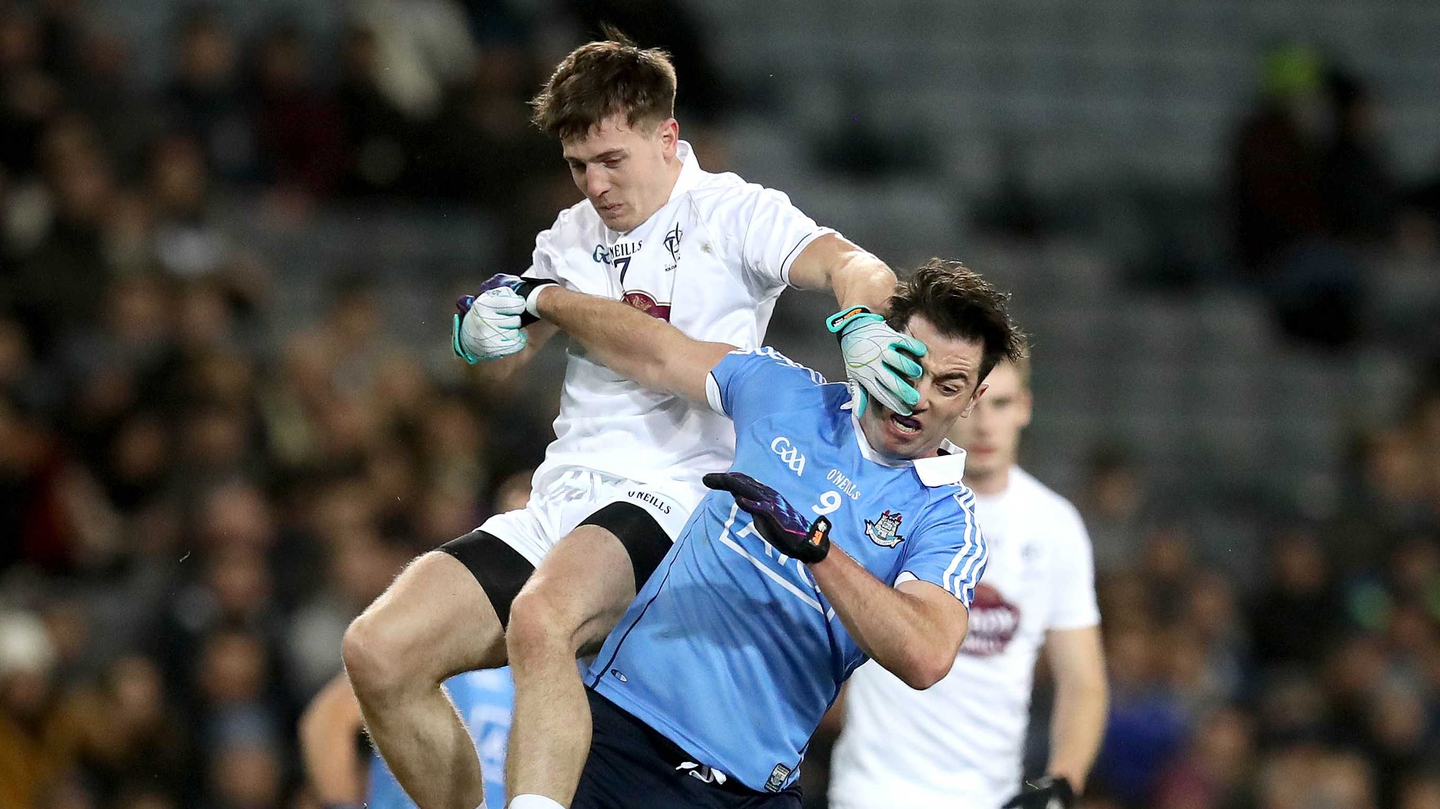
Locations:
column 950, row 552
column 749, row 384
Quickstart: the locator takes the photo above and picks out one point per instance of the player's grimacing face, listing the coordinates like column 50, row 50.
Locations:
column 990, row 434
column 948, row 388
column 623, row 170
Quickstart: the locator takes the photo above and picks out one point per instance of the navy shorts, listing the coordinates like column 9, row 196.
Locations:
column 632, row 766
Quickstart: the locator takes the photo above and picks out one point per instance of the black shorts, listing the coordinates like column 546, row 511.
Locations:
column 631, row 766
column 502, row 570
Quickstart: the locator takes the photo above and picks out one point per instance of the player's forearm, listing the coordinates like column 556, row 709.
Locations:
column 863, row 280
column 327, row 745
column 1081, row 703
column 900, row 631
column 855, row 275
column 1076, row 732
column 631, row 343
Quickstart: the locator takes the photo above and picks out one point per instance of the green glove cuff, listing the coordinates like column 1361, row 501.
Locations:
column 460, row 352
column 845, row 318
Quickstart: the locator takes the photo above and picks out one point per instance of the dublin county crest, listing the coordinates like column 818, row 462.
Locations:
column 885, row 531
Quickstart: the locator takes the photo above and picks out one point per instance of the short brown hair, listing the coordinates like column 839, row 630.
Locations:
column 600, row 79
column 959, row 303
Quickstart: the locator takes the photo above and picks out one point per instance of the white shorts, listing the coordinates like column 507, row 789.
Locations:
column 556, row 508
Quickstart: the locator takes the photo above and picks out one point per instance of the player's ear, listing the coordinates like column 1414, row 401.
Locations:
column 669, row 134
column 975, row 398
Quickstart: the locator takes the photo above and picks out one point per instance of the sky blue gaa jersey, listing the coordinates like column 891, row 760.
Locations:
column 731, row 650
column 485, row 700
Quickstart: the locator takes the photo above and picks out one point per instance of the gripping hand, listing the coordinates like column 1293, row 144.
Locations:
column 776, row 520
column 878, row 358
column 491, row 325
column 1045, row 793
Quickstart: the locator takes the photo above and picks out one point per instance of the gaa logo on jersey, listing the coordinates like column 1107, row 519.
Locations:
column 885, row 531
column 646, row 303
column 993, row 623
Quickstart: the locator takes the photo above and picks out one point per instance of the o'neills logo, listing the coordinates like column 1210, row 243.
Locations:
column 636, row 494
column 648, row 305
column 993, row 623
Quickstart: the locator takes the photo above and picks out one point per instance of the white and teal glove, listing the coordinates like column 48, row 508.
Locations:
column 492, row 324
column 878, row 359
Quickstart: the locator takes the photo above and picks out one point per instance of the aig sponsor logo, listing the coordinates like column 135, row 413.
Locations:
column 790, row 454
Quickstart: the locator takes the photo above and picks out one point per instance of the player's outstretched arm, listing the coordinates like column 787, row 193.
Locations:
column 631, row 343
column 863, row 285
column 854, row 274
column 327, row 745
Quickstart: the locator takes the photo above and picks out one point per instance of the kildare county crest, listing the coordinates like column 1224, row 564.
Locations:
column 885, row 531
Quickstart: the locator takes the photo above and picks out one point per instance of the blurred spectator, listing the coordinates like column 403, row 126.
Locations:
column 1277, row 161
column 1297, row 615
column 204, row 99
column 1218, row 769
column 1357, row 186
column 34, row 750
column 1111, row 501
column 297, row 130
column 421, row 47
column 1147, row 721
column 380, row 135
column 1284, row 224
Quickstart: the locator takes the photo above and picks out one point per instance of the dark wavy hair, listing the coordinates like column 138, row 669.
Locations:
column 959, row 303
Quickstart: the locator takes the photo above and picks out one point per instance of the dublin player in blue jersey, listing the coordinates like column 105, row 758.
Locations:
column 333, row 760
column 837, row 536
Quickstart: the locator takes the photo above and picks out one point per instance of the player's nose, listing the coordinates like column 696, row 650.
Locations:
column 596, row 184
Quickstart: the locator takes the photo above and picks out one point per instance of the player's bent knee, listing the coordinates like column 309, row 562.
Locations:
column 370, row 661
column 538, row 626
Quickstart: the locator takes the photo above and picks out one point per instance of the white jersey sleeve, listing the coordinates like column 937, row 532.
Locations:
column 1073, row 576
column 546, row 261
column 776, row 233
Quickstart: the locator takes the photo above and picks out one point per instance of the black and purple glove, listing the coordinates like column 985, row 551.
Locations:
column 776, row 520
column 1044, row 793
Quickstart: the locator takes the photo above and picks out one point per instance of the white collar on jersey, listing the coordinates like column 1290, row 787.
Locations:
column 945, row 469
column 690, row 171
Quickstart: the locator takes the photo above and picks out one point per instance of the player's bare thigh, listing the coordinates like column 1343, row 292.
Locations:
column 434, row 621
column 581, row 589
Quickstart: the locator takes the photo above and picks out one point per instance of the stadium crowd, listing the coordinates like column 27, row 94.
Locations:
column 193, row 506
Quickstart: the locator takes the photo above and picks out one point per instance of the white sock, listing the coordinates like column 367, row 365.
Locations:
column 533, row 802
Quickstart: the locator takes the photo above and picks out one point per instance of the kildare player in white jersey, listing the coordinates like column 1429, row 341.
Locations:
column 960, row 743
column 710, row 254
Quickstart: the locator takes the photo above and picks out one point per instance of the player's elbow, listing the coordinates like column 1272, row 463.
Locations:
column 927, row 670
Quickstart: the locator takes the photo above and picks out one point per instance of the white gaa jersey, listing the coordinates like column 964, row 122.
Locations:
column 712, row 262
column 959, row 744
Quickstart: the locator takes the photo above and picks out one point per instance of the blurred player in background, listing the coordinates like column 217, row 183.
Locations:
column 961, row 742
column 331, row 747
column 857, row 540
column 708, row 253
